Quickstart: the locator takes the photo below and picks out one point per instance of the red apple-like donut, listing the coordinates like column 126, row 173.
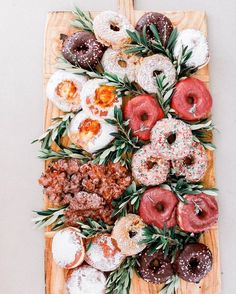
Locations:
column 158, row 207
column 143, row 112
column 198, row 214
column 191, row 100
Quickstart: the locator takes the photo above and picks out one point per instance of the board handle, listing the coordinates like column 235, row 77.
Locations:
column 126, row 7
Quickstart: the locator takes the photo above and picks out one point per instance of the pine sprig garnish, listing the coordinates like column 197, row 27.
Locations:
column 50, row 216
column 129, row 201
column 119, row 281
column 170, row 241
column 171, row 286
column 91, row 228
column 82, row 20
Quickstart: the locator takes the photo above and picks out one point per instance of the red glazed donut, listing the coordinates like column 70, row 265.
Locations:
column 158, row 207
column 198, row 214
column 191, row 100
column 143, row 112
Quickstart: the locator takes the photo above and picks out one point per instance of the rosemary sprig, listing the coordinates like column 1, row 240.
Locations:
column 82, row 20
column 171, row 286
column 129, row 201
column 170, row 241
column 91, row 228
column 119, row 281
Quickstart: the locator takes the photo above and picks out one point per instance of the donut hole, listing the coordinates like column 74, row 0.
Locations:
column 114, row 27
column 122, row 63
column 157, row 73
column 189, row 160
column 144, row 116
column 190, row 100
column 193, row 263
column 150, row 164
column 132, row 234
column 155, row 264
column 200, row 213
column 171, row 138
column 159, row 207
column 82, row 48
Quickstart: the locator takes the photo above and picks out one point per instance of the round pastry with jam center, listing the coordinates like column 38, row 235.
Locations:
column 194, row 262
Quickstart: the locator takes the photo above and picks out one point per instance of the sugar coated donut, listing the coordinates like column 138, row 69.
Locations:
column 150, row 67
column 197, row 43
column 111, row 28
column 162, row 23
column 99, row 99
column 119, row 63
column 194, row 166
column 158, row 207
column 83, row 50
column 128, row 233
column 148, row 168
column 64, row 88
column 67, row 248
column 143, row 112
column 171, row 138
column 191, row 100
column 104, row 253
column 200, row 213
column 155, row 268
column 194, row 262
column 86, row 280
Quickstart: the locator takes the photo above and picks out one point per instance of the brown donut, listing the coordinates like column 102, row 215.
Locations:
column 82, row 49
column 163, row 24
column 194, row 262
column 154, row 268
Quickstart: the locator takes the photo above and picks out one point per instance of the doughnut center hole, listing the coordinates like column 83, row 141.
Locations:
column 144, row 116
column 83, row 48
column 171, row 138
column 157, row 73
column 114, row 27
column 189, row 160
column 150, row 164
column 155, row 264
column 159, row 207
column 201, row 213
column 194, row 262
column 122, row 63
column 190, row 100
column 132, row 234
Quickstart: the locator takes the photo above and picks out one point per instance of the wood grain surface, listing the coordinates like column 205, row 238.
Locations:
column 59, row 23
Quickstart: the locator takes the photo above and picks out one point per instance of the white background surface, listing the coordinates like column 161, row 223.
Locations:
column 21, row 97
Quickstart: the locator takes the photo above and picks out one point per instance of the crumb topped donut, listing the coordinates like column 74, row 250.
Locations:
column 86, row 279
column 148, row 168
column 83, row 50
column 150, row 67
column 197, row 43
column 128, row 232
column 99, row 99
column 111, row 28
column 194, row 166
column 67, row 248
column 162, row 23
column 171, row 138
column 194, row 262
column 104, row 253
column 155, row 268
column 119, row 63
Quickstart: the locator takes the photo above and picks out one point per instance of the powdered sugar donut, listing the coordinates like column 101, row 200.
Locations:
column 119, row 63
column 194, row 166
column 104, row 253
column 99, row 99
column 67, row 248
column 171, row 139
column 64, row 88
column 148, row 168
column 197, row 43
column 111, row 28
column 86, row 279
column 152, row 66
column 128, row 232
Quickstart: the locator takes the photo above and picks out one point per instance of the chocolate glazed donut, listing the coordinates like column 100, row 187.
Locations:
column 83, row 50
column 163, row 24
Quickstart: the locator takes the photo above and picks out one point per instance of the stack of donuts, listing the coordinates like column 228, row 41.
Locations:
column 168, row 148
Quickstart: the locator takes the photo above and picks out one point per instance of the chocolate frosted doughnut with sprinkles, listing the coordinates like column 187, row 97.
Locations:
column 194, row 262
column 155, row 268
column 148, row 168
column 111, row 28
column 163, row 24
column 171, row 139
column 152, row 66
column 194, row 166
column 82, row 49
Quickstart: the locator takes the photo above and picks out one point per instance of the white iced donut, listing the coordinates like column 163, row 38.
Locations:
column 99, row 99
column 86, row 280
column 119, row 63
column 150, row 67
column 197, row 43
column 67, row 248
column 89, row 133
column 64, row 89
column 110, row 29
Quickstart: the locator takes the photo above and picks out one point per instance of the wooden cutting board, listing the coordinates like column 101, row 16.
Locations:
column 59, row 23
